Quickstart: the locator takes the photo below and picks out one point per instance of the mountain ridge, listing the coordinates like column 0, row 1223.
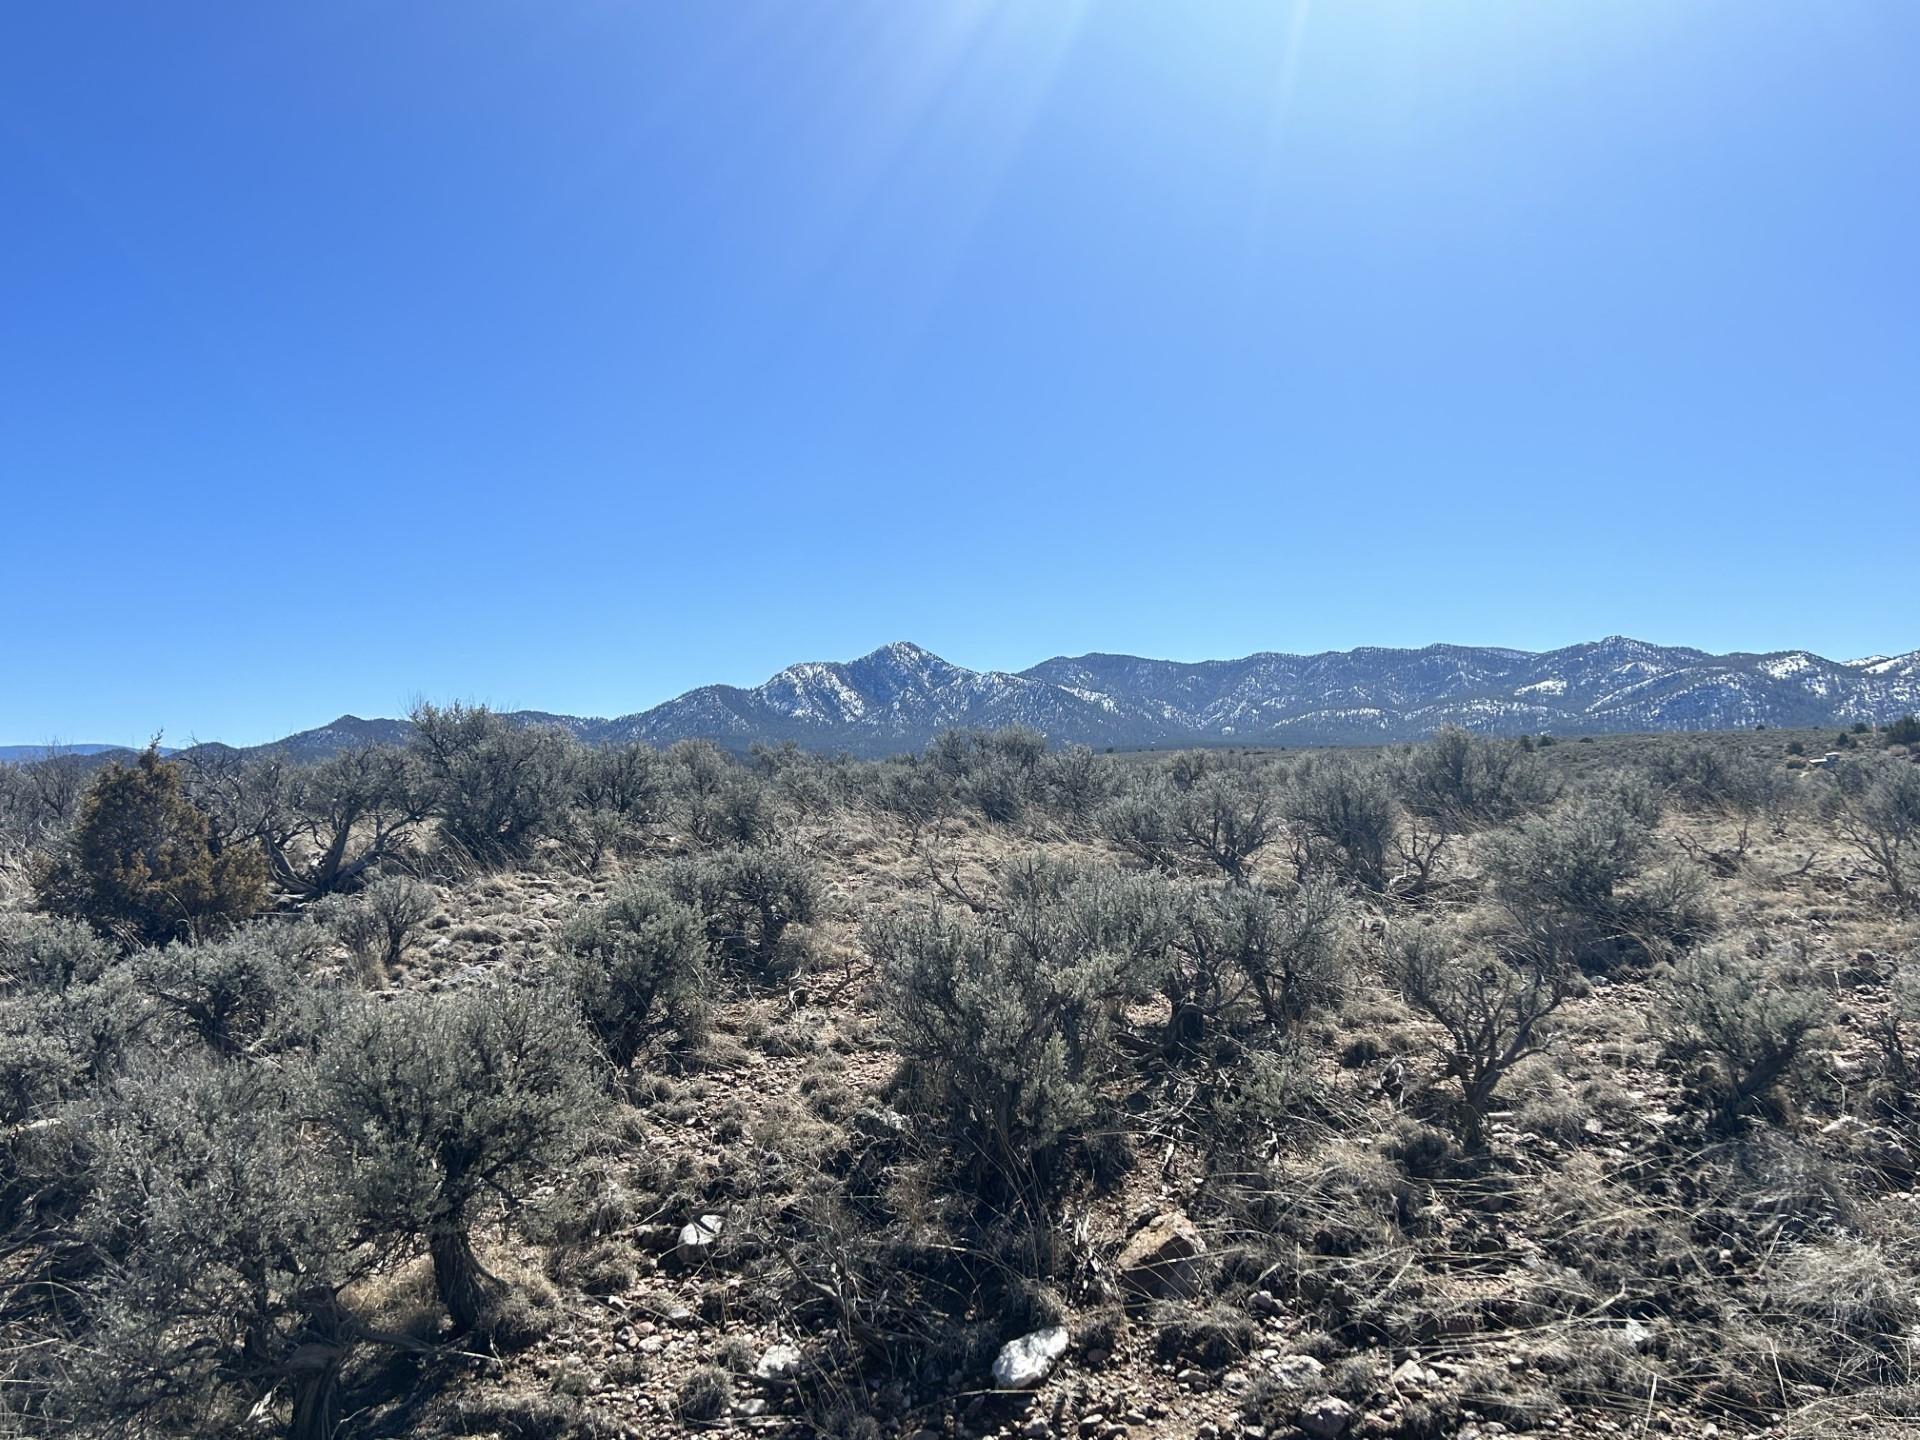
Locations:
column 897, row 697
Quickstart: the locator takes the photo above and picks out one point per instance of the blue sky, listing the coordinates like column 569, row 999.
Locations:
column 568, row 355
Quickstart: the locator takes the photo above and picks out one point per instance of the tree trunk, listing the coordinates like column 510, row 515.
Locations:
column 1477, row 1099
column 1186, row 1028
column 316, row 1392
column 314, row 1368
column 466, row 1288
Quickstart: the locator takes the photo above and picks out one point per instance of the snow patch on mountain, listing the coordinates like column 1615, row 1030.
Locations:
column 898, row 697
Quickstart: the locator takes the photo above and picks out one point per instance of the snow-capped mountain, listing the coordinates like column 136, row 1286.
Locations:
column 1616, row 684
column 900, row 696
column 896, row 698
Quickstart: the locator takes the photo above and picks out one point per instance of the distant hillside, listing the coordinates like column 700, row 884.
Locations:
column 18, row 754
column 900, row 696
column 343, row 734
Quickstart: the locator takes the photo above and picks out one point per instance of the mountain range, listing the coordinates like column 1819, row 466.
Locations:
column 19, row 754
column 900, row 696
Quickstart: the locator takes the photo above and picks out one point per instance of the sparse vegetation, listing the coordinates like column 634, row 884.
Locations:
column 1875, row 809
column 1751, row 1018
column 446, row 1106
column 377, row 924
column 1006, row 1020
column 1581, row 1065
column 1493, row 1010
column 747, row 898
column 636, row 963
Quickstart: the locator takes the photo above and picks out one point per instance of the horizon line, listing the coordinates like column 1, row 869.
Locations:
column 156, row 737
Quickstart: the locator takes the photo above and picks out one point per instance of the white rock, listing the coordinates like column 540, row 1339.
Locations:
column 1297, row 1372
column 1412, row 1375
column 1024, row 1363
column 697, row 1235
column 781, row 1362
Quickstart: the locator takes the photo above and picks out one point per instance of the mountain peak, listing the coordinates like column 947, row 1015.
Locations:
column 1617, row 644
column 900, row 652
column 904, row 662
column 896, row 698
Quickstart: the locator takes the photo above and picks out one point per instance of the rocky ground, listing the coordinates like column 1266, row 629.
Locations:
column 1609, row 1269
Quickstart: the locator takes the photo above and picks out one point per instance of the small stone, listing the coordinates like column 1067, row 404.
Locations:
column 1037, row 1428
column 750, row 1407
column 1090, row 1424
column 1412, row 1375
column 1324, row 1416
column 1024, row 1363
column 880, row 1121
column 697, row 1237
column 1297, row 1372
column 780, row 1363
column 1160, row 1262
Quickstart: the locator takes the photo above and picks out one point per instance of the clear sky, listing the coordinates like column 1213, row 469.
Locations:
column 568, row 355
